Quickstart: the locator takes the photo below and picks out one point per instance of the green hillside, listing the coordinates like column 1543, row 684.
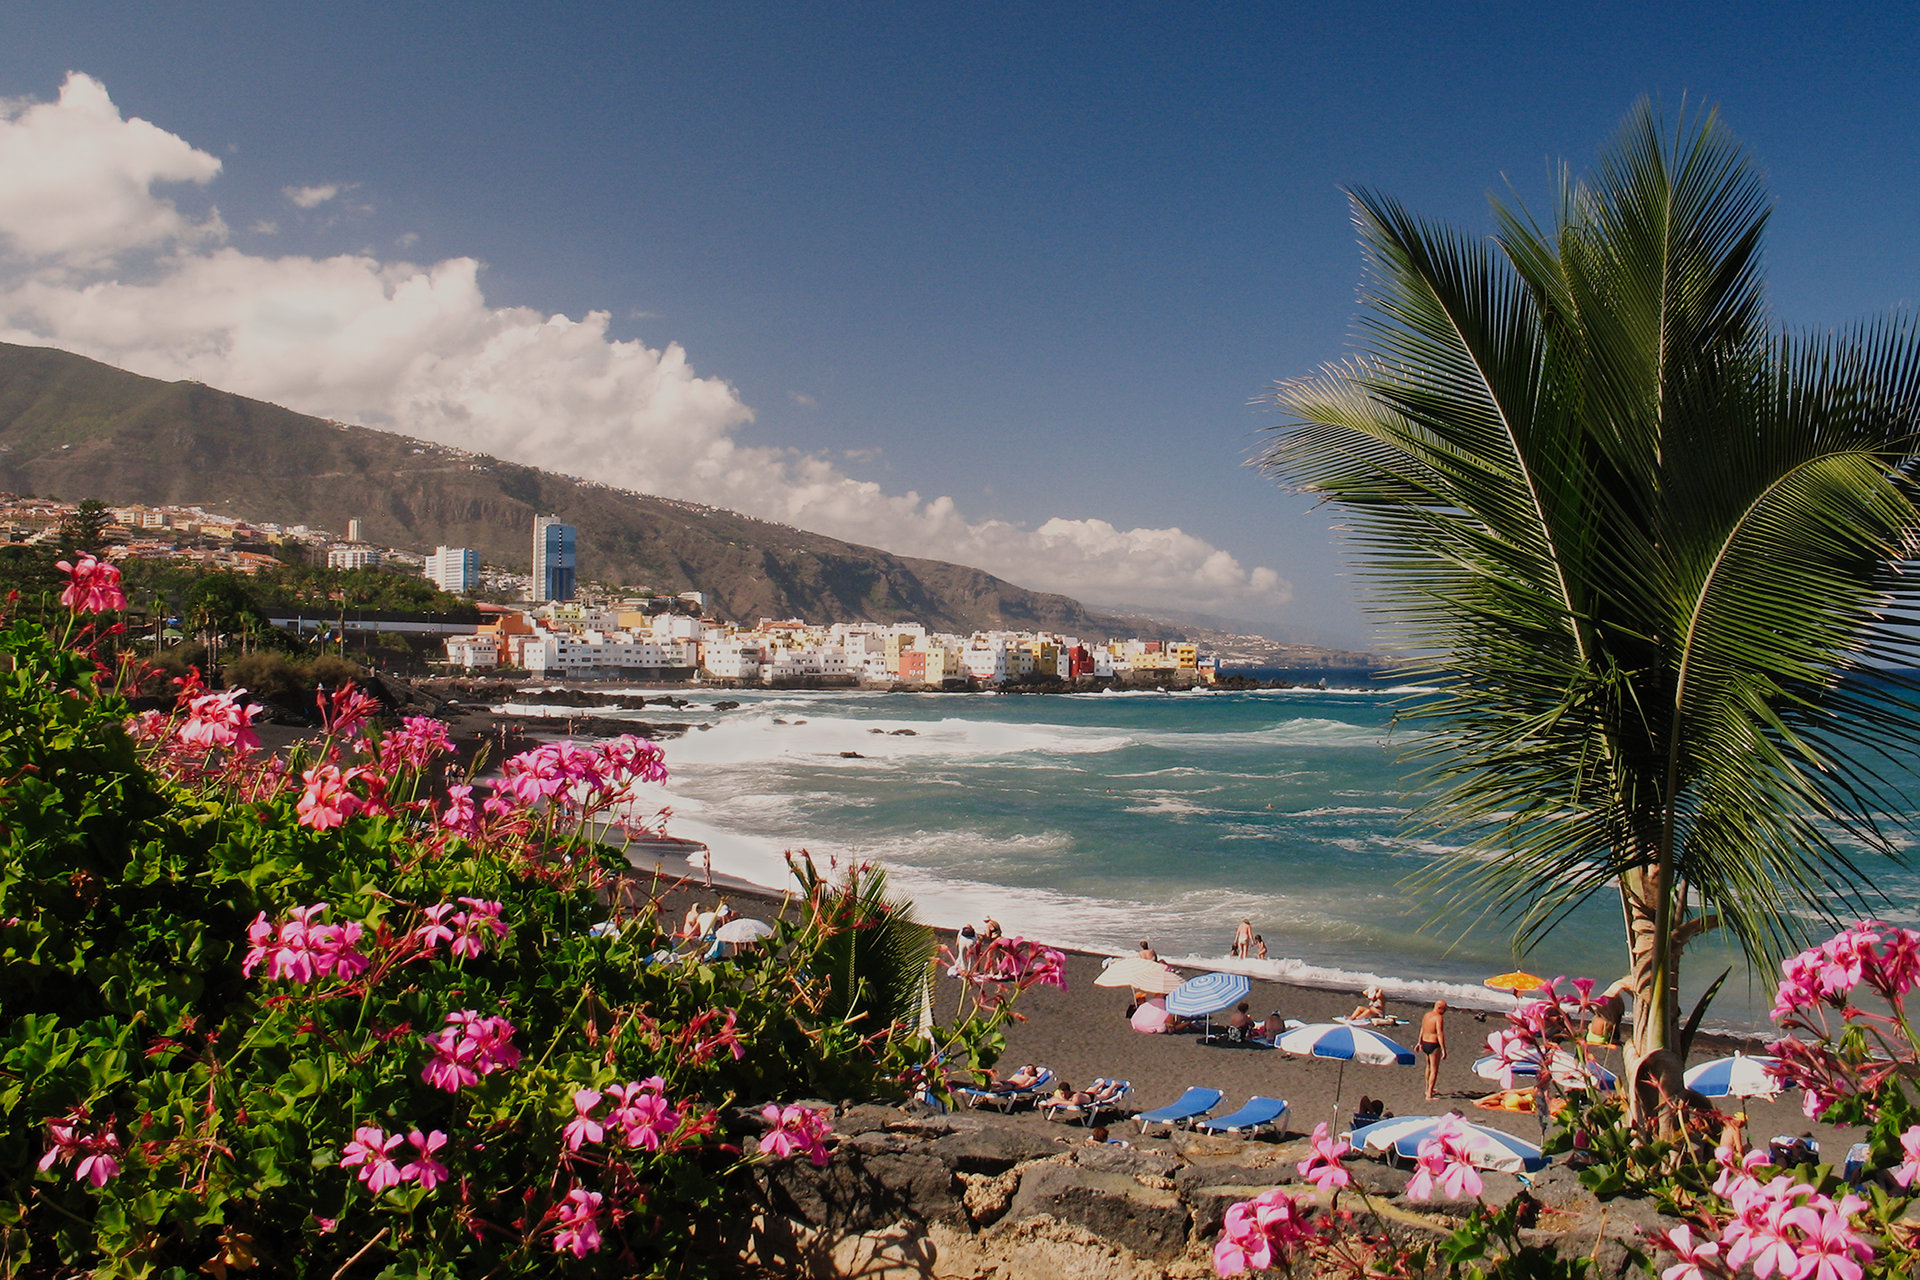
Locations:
column 76, row 428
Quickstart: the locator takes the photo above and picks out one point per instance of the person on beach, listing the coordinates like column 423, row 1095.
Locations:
column 1147, row 952
column 706, row 866
column 1259, row 947
column 1067, row 1096
column 1433, row 1041
column 1243, row 940
column 1239, row 1024
column 990, row 932
column 1603, row 1027
column 1373, row 1006
column 963, row 952
column 1022, row 1077
column 1273, row 1027
column 689, row 927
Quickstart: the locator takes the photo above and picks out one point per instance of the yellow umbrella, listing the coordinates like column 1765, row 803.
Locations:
column 1515, row 982
column 1140, row 974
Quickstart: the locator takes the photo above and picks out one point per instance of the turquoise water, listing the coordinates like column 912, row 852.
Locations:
column 1097, row 820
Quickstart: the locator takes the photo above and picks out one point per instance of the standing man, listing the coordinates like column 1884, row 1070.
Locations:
column 1433, row 1041
column 1243, row 940
column 706, row 865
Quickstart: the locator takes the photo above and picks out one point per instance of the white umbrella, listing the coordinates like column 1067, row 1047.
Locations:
column 1735, row 1077
column 1139, row 973
column 1344, row 1044
column 736, row 931
column 1486, row 1148
column 1563, row 1068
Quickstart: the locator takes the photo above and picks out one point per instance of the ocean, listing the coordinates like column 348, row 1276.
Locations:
column 1099, row 820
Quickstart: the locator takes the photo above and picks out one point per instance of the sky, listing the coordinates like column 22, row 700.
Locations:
column 999, row 284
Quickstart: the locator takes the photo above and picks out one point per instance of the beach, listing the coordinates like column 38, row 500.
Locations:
column 1082, row 1033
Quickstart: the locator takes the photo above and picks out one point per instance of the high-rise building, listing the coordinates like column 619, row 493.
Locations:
column 353, row 531
column 455, row 570
column 553, row 562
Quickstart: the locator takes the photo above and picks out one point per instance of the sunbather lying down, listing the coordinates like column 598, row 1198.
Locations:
column 1068, row 1096
column 1022, row 1078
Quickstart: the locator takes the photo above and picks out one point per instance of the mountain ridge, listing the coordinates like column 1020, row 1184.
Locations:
column 75, row 426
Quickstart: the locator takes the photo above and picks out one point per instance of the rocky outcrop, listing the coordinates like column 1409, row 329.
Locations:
column 984, row 1197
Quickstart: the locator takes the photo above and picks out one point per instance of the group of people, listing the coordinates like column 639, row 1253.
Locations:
column 970, row 943
column 701, row 924
column 1248, row 945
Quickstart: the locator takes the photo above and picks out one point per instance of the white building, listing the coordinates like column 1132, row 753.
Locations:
column 353, row 557
column 475, row 653
column 598, row 653
column 986, row 662
column 455, row 570
column 731, row 659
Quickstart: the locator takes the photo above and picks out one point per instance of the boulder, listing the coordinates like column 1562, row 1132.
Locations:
column 1149, row 1221
column 1239, row 1175
column 989, row 1149
column 859, row 1191
column 1129, row 1160
column 1209, row 1204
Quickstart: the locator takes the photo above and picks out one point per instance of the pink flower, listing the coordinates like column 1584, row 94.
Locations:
column 1446, row 1164
column 303, row 948
column 371, row 1149
column 579, row 1232
column 1023, row 963
column 792, row 1129
column 727, row 1037
column 1908, row 1169
column 414, row 745
column 1697, row 1261
column 479, row 920
column 327, row 802
column 220, row 720
column 434, row 932
column 424, row 1169
column 259, row 935
column 1830, row 1249
column 1323, row 1168
column 643, row 1115
column 628, row 759
column 1262, row 1232
column 583, row 1128
column 460, row 817
column 93, row 586
column 346, row 710
column 469, row 1047
column 98, row 1153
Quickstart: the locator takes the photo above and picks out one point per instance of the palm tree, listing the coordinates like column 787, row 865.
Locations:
column 1650, row 550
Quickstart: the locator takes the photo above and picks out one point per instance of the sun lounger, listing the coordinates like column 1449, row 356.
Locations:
column 1193, row 1104
column 1106, row 1094
column 1258, row 1113
column 1008, row 1099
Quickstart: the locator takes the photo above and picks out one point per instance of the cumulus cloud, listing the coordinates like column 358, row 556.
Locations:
column 418, row 348
column 311, row 197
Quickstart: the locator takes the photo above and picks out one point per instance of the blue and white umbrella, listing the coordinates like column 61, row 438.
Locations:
column 1208, row 993
column 1563, row 1068
column 1349, row 1044
column 1486, row 1148
column 1735, row 1077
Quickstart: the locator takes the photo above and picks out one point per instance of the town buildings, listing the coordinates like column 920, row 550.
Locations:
column 455, row 570
column 554, row 569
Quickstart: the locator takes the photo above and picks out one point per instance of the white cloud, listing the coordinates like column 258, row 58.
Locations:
column 265, row 227
column 311, row 197
column 418, row 348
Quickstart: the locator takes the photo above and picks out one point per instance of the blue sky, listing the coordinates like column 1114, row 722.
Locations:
column 1036, row 259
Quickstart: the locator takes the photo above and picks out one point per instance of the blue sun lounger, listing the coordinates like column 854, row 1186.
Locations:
column 1258, row 1113
column 1193, row 1104
column 1107, row 1096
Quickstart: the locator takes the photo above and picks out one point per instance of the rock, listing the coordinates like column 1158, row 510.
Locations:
column 1128, row 1160
column 987, row 1195
column 860, row 1191
column 851, row 755
column 725, row 706
column 1147, row 1220
column 866, row 1118
column 1203, row 1147
column 1240, row 1175
column 1210, row 1204
column 990, row 1150
column 1379, row 1179
column 906, row 733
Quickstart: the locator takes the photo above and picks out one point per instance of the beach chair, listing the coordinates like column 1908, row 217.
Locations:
column 1258, row 1113
column 1008, row 1099
column 1193, row 1104
column 1106, row 1096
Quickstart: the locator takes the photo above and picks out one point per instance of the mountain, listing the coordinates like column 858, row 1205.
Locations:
column 76, row 428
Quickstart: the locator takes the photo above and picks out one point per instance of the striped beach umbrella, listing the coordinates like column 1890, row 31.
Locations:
column 1208, row 993
column 1735, row 1077
column 1349, row 1044
column 1486, row 1148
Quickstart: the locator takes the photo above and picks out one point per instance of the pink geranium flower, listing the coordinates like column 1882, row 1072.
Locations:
column 372, row 1149
column 424, row 1169
column 583, row 1128
column 93, row 586
column 579, row 1215
column 1323, row 1168
column 643, row 1115
column 795, row 1129
column 327, row 802
column 97, row 1153
column 1445, row 1164
column 1698, row 1260
column 469, row 1047
column 220, row 720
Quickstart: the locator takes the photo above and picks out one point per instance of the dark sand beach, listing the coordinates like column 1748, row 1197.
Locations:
column 1082, row 1033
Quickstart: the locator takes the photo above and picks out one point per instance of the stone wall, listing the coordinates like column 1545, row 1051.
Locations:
column 978, row 1196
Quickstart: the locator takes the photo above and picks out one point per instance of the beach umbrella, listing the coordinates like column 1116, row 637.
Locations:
column 1515, row 983
column 1139, row 974
column 1563, row 1068
column 1486, row 1148
column 737, row 931
column 1344, row 1044
column 1735, row 1077
column 1208, row 993
column 1151, row 1017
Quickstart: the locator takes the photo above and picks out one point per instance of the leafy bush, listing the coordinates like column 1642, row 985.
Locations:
column 340, row 1014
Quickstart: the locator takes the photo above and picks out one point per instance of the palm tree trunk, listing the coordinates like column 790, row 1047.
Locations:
column 1647, row 904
